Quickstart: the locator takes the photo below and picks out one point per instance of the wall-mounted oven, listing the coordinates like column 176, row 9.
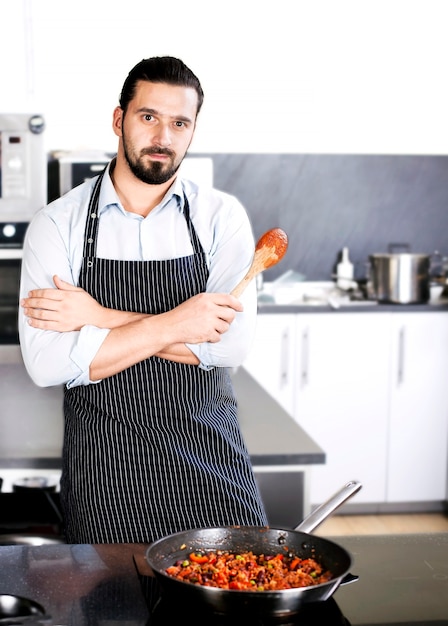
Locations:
column 31, row 418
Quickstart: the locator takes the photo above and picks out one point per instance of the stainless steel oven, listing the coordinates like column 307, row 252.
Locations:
column 31, row 418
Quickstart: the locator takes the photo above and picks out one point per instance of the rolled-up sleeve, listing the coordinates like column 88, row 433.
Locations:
column 87, row 345
column 236, row 343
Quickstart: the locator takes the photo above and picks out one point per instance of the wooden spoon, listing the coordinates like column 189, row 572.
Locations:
column 270, row 249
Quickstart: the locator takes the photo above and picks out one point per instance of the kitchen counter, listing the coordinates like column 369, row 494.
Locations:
column 401, row 579
column 294, row 296
column 272, row 436
column 281, row 452
column 353, row 307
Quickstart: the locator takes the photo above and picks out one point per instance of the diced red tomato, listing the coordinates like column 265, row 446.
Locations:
column 197, row 557
column 228, row 570
column 234, row 584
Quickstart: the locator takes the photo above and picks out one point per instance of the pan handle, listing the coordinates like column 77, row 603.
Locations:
column 349, row 578
column 320, row 514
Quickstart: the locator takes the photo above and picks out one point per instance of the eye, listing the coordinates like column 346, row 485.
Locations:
column 179, row 124
column 148, row 117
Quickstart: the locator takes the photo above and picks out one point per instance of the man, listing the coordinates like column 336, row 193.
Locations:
column 125, row 300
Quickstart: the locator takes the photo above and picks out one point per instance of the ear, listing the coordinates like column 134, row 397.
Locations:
column 117, row 121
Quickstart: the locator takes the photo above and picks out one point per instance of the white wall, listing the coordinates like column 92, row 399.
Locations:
column 295, row 76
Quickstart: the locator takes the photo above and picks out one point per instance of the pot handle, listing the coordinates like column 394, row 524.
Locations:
column 324, row 510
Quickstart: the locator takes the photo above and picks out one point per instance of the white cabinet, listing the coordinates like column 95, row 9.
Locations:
column 341, row 399
column 418, row 424
column 371, row 389
column 271, row 359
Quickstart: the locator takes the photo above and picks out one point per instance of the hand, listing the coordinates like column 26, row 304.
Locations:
column 204, row 317
column 63, row 309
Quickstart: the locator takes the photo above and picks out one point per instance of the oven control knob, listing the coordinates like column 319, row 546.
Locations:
column 36, row 124
column 9, row 230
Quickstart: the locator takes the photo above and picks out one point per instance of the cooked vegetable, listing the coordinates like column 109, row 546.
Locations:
column 248, row 571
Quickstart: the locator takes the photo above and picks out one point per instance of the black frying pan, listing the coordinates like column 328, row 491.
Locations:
column 260, row 540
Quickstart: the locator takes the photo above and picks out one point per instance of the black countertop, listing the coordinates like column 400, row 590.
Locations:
column 402, row 579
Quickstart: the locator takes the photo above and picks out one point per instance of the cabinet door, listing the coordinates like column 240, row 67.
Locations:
column 270, row 360
column 419, row 408
column 342, row 377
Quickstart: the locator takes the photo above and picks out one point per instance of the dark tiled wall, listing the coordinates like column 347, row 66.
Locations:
column 326, row 202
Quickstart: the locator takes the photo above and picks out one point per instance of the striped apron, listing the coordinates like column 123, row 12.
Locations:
column 156, row 448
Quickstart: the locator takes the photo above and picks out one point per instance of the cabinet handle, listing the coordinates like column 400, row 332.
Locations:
column 305, row 358
column 401, row 346
column 284, row 359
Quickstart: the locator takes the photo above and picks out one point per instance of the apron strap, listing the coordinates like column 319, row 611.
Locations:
column 91, row 230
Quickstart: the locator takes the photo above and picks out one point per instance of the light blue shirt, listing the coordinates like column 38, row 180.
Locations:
column 54, row 245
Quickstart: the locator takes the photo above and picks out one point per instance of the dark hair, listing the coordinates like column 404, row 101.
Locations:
column 160, row 70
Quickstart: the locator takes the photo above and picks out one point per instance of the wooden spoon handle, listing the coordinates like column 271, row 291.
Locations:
column 270, row 249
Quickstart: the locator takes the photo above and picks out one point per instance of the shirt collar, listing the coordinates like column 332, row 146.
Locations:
column 109, row 198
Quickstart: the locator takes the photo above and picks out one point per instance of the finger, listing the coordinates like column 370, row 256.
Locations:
column 45, row 294
column 236, row 304
column 44, row 324
column 226, row 315
column 35, row 304
column 222, row 327
column 62, row 284
column 42, row 314
column 214, row 337
column 226, row 300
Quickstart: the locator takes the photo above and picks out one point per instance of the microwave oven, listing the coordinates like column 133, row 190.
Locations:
column 23, row 171
column 67, row 170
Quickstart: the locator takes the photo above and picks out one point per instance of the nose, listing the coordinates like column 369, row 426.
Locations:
column 162, row 136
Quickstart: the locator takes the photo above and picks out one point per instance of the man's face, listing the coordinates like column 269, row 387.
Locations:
column 157, row 130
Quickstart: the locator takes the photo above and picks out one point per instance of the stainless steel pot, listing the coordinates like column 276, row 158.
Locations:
column 400, row 278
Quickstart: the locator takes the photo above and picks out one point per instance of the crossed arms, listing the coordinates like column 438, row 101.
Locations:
column 132, row 337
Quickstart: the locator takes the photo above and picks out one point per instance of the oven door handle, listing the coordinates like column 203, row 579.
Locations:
column 10, row 253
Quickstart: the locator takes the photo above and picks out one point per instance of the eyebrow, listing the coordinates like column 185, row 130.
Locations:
column 181, row 118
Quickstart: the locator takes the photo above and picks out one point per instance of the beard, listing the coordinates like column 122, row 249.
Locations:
column 152, row 173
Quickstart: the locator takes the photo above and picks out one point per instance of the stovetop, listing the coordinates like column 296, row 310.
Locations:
column 402, row 580
column 327, row 613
